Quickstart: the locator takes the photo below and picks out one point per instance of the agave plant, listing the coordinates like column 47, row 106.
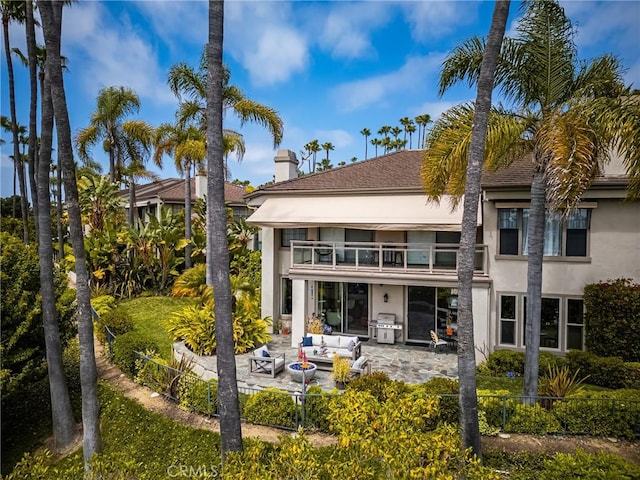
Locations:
column 558, row 382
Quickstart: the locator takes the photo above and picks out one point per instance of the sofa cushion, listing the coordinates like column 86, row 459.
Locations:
column 316, row 339
column 333, row 341
column 359, row 363
column 341, row 352
column 260, row 352
column 345, row 341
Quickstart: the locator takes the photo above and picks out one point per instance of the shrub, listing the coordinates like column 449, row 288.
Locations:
column 449, row 406
column 614, row 414
column 271, row 407
column 600, row 466
column 558, row 382
column 612, row 319
column 532, row 419
column 198, row 395
column 124, row 347
column 118, row 321
column 103, row 304
column 496, row 406
column 379, row 385
column 501, row 362
column 316, row 409
column 609, row 372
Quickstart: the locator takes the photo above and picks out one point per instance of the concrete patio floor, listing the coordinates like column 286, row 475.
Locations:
column 411, row 364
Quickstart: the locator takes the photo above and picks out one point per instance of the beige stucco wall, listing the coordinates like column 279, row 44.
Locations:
column 613, row 247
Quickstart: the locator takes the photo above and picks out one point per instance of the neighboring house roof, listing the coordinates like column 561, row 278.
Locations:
column 171, row 190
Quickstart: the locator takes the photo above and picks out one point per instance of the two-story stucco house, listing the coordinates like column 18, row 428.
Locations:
column 361, row 246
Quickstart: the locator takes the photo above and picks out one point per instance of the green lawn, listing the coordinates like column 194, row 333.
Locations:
column 149, row 316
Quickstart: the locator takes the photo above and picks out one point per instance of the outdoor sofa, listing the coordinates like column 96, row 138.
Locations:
column 320, row 349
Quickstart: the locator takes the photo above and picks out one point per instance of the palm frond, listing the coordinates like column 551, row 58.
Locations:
column 250, row 111
column 86, row 138
column 463, row 63
column 233, row 141
column 185, row 82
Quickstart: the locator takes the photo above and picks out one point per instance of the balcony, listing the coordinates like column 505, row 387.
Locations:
column 385, row 257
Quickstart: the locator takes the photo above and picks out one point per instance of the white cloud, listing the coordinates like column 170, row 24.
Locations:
column 434, row 109
column 417, row 72
column 169, row 19
column 434, row 19
column 111, row 52
column 339, row 138
column 262, row 37
column 345, row 31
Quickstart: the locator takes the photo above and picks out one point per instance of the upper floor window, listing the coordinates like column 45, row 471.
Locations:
column 561, row 237
column 289, row 234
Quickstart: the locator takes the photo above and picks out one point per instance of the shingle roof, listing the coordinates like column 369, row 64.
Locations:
column 401, row 171
column 398, row 170
column 171, row 190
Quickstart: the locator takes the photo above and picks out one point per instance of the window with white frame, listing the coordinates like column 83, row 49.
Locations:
column 561, row 322
column 561, row 238
column 508, row 311
column 575, row 324
column 289, row 234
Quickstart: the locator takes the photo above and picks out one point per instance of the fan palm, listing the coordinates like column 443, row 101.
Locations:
column 190, row 86
column 365, row 132
column 568, row 117
column 113, row 104
column 187, row 145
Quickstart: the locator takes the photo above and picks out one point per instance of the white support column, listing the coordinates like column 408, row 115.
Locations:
column 269, row 259
column 299, row 294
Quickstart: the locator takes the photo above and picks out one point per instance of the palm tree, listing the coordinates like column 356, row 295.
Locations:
column 51, row 14
column 187, row 145
column 422, row 121
column 326, row 147
column 406, row 122
column 217, row 243
column 314, row 147
column 470, row 432
column 33, row 104
column 375, row 142
column 136, row 141
column 570, row 117
column 411, row 128
column 64, row 424
column 113, row 104
column 365, row 132
column 396, row 131
column 190, row 86
column 15, row 11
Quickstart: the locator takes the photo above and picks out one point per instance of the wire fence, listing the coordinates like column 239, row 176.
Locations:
column 498, row 413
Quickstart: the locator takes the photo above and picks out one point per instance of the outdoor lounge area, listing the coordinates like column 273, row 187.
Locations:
column 411, row 364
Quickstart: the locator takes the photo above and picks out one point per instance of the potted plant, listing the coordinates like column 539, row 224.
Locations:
column 277, row 326
column 341, row 371
column 314, row 325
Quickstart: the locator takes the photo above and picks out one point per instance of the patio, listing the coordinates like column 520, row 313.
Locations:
column 410, row 364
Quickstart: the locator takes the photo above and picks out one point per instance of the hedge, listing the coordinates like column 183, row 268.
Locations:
column 612, row 319
column 608, row 372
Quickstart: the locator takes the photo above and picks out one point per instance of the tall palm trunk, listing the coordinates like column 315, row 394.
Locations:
column 33, row 105
column 470, row 433
column 132, row 201
column 64, row 425
column 59, row 211
column 51, row 13
column 187, row 215
column 535, row 235
column 217, row 248
column 14, row 130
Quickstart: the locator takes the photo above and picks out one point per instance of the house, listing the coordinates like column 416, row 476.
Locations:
column 169, row 194
column 362, row 247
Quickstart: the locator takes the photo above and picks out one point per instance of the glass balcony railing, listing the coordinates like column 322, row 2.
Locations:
column 434, row 258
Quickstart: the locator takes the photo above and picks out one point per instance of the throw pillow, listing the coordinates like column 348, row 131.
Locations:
column 351, row 345
column 307, row 342
column 265, row 353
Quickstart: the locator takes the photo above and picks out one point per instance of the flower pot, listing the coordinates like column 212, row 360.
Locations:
column 341, row 385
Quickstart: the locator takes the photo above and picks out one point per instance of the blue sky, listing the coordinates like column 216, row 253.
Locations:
column 329, row 68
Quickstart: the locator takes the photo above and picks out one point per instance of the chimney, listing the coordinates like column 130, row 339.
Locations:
column 201, row 185
column 286, row 165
